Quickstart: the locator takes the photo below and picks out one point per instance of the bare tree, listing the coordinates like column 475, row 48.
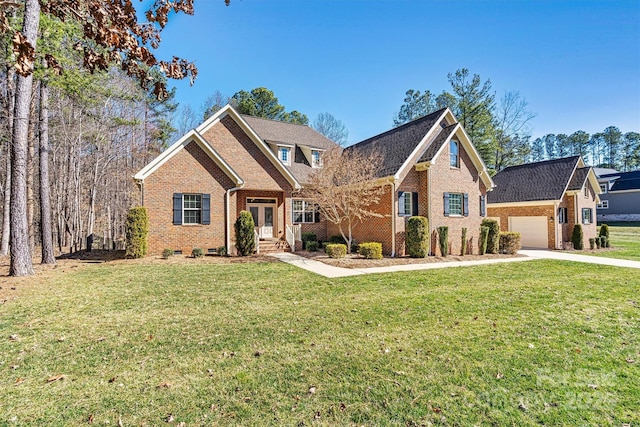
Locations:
column 512, row 131
column 45, row 189
column 214, row 103
column 332, row 128
column 345, row 189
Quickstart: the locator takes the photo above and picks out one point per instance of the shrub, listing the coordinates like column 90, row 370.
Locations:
column 245, row 234
column 417, row 236
column 577, row 236
column 484, row 234
column 493, row 238
column 598, row 241
column 443, row 240
column 167, row 253
column 336, row 250
column 592, row 243
column 136, row 232
column 604, row 242
column 337, row 239
column 509, row 242
column 604, row 230
column 309, row 237
column 311, row 245
column 463, row 245
column 370, row 250
column 197, row 252
column 222, row 251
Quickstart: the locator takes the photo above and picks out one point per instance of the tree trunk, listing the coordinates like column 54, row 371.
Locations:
column 4, row 243
column 21, row 263
column 45, row 190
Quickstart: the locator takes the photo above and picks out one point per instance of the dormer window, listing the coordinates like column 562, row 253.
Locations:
column 316, row 159
column 454, row 154
column 284, row 154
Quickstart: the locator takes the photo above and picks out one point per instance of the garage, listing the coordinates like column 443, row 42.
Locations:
column 533, row 230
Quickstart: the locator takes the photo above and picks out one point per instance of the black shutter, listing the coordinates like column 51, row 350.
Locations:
column 483, row 205
column 206, row 209
column 316, row 213
column 414, row 204
column 446, row 204
column 465, row 204
column 177, row 208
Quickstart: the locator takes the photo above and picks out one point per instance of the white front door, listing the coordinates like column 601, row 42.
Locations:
column 264, row 218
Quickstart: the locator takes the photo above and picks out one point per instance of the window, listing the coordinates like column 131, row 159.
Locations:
column 316, row 160
column 284, row 155
column 587, row 215
column 454, row 157
column 305, row 212
column 483, row 205
column 407, row 203
column 191, row 209
column 604, row 204
column 456, row 204
column 603, row 188
column 586, row 191
column 562, row 215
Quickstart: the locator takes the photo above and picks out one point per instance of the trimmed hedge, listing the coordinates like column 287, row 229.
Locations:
column 309, row 237
column 509, row 242
column 443, row 240
column 337, row 239
column 336, row 250
column 136, row 232
column 598, row 242
column 222, row 251
column 484, row 235
column 493, row 238
column 370, row 250
column 245, row 234
column 167, row 253
column 417, row 236
column 592, row 243
column 463, row 245
column 312, row 245
column 197, row 252
column 604, row 241
column 577, row 237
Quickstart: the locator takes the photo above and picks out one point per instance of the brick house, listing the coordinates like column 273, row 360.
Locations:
column 544, row 200
column 195, row 190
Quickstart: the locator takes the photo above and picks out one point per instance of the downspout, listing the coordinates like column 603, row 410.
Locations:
column 393, row 218
column 429, row 217
column 228, row 216
column 556, row 225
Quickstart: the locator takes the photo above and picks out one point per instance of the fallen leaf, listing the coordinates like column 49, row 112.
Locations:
column 343, row 407
column 90, row 419
column 578, row 350
column 312, row 390
column 436, row 409
column 55, row 378
column 169, row 418
column 149, row 338
column 19, row 381
column 13, row 337
column 593, row 386
column 258, row 353
column 112, row 379
column 14, row 367
column 499, row 375
column 317, row 415
column 164, row 385
column 630, row 360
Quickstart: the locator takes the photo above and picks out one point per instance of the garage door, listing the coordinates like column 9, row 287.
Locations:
column 532, row 229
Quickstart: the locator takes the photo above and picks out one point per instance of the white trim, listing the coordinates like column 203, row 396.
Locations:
column 602, row 203
column 228, row 110
column 625, row 191
column 191, row 136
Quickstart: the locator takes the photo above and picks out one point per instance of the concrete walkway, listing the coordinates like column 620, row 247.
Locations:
column 332, row 271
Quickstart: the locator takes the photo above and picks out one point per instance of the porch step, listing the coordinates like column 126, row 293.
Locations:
column 274, row 246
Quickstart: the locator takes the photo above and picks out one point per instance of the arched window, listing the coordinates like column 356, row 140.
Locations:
column 454, row 157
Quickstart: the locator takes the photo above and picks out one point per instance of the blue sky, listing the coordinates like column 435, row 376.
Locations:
column 576, row 62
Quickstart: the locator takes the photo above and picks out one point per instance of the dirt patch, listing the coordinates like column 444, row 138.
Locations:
column 356, row 261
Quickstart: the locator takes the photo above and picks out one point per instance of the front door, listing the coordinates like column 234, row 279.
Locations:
column 263, row 212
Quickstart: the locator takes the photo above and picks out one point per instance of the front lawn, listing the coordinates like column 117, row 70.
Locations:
column 625, row 242
column 535, row 343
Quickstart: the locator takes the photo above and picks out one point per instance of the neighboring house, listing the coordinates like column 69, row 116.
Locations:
column 544, row 200
column 620, row 198
column 195, row 190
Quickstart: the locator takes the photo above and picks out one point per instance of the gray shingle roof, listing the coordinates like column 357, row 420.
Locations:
column 533, row 181
column 288, row 133
column 626, row 181
column 579, row 178
column 396, row 145
column 437, row 143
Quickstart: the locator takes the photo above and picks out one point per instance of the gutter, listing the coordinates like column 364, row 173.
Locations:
column 228, row 216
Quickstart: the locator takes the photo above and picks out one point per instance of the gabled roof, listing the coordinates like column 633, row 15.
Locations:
column 288, row 133
column 191, row 136
column 627, row 181
column 578, row 179
column 396, row 145
column 434, row 148
column 547, row 180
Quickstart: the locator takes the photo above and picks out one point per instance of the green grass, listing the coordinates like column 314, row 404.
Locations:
column 625, row 242
column 532, row 343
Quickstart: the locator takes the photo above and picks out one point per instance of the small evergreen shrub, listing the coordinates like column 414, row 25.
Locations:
column 598, row 241
column 463, row 245
column 309, row 237
column 197, row 253
column 167, row 253
column 604, row 230
column 577, row 236
column 443, row 240
column 592, row 243
column 136, row 232
column 604, row 242
column 222, row 251
column 312, row 245
column 370, row 250
column 336, row 250
column 509, row 242
column 493, row 238
column 484, row 235
column 337, row 239
column 417, row 236
column 245, row 234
